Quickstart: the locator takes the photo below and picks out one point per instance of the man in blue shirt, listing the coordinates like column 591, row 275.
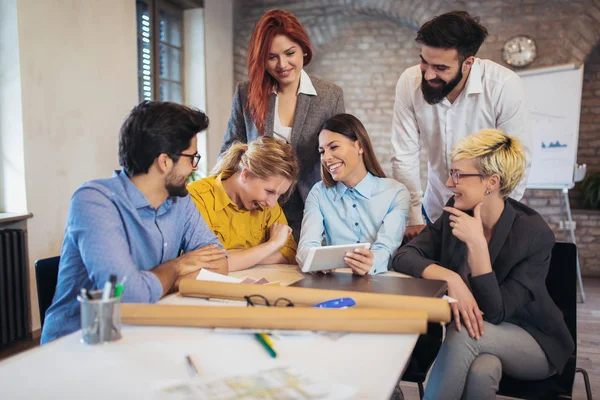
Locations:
column 136, row 224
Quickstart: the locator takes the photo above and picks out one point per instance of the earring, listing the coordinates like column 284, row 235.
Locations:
column 487, row 192
column 305, row 54
column 360, row 152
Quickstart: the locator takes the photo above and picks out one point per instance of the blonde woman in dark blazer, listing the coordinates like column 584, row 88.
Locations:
column 282, row 100
column 494, row 252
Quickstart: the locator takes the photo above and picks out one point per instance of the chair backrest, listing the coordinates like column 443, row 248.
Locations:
column 46, row 276
column 562, row 283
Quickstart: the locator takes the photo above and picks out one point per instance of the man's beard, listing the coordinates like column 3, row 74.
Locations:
column 176, row 185
column 434, row 95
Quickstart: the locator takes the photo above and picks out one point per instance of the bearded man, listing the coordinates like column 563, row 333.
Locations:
column 140, row 225
column 450, row 95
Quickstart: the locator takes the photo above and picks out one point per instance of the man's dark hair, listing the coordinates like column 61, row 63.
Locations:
column 454, row 30
column 156, row 127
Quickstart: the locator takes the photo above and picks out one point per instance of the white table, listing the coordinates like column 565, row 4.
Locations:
column 134, row 366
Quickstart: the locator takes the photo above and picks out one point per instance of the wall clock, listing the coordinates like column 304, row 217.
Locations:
column 519, row 51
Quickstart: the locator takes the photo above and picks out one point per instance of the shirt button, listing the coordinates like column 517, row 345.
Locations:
column 354, row 205
column 165, row 245
column 356, row 223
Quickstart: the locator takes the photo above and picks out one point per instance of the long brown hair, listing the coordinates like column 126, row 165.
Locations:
column 264, row 158
column 349, row 126
column 273, row 23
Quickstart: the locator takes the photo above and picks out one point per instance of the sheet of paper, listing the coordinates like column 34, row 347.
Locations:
column 206, row 275
column 276, row 383
column 449, row 299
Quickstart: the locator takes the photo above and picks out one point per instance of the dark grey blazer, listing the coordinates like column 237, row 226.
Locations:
column 520, row 251
column 311, row 113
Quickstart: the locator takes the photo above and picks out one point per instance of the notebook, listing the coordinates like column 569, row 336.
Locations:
column 374, row 284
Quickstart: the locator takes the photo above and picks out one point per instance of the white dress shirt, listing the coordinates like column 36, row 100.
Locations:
column 493, row 97
column 305, row 87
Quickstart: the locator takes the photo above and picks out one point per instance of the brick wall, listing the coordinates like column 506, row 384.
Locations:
column 364, row 45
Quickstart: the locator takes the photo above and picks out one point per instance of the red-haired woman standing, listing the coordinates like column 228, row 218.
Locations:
column 282, row 100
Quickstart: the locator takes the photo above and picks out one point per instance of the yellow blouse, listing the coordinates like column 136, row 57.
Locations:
column 235, row 228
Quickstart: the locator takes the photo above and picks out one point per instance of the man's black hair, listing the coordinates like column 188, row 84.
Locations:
column 454, row 30
column 156, row 127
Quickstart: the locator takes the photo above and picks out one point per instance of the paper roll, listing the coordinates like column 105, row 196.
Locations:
column 437, row 310
column 363, row 320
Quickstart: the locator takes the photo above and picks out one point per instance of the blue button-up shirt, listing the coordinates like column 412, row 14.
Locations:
column 374, row 211
column 113, row 229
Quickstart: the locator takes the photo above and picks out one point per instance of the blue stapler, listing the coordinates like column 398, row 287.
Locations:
column 344, row 302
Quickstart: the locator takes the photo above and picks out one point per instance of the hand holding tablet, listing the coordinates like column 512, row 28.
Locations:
column 329, row 257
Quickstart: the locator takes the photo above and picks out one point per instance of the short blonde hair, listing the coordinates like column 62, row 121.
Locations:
column 494, row 152
column 264, row 158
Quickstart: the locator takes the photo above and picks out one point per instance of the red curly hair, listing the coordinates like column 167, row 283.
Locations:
column 273, row 23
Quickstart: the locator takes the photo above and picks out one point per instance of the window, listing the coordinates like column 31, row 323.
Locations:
column 160, row 50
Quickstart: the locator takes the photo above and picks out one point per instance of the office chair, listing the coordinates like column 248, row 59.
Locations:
column 562, row 287
column 46, row 276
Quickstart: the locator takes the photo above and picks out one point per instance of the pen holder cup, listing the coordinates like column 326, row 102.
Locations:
column 100, row 320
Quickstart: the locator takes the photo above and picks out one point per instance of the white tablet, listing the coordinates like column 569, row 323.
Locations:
column 329, row 257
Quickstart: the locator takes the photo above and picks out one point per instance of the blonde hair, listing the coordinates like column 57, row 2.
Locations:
column 264, row 158
column 494, row 152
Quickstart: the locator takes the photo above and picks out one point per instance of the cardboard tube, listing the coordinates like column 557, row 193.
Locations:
column 297, row 318
column 437, row 310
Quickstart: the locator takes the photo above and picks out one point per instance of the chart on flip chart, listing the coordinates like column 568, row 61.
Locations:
column 553, row 97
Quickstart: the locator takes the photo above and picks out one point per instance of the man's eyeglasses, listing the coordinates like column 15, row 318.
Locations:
column 195, row 158
column 260, row 300
column 457, row 175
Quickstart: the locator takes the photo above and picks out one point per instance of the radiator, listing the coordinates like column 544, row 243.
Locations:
column 14, row 296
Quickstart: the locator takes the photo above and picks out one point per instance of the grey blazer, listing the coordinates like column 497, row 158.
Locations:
column 311, row 113
column 515, row 292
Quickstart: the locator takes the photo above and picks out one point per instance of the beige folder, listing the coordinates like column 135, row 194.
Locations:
column 437, row 310
column 363, row 320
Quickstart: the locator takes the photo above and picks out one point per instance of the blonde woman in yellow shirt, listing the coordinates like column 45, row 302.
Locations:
column 239, row 202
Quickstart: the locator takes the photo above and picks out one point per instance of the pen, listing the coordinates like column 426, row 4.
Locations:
column 113, row 284
column 106, row 291
column 118, row 289
column 85, row 294
column 261, row 337
column 192, row 366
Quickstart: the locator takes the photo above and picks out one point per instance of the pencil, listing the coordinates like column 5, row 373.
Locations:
column 265, row 343
column 191, row 366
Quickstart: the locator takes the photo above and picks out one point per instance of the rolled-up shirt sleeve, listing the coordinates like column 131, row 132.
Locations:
column 513, row 114
column 197, row 234
column 96, row 228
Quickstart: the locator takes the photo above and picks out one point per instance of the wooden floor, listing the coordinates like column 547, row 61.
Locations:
column 588, row 344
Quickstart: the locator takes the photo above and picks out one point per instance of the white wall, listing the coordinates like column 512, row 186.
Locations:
column 12, row 167
column 218, row 15
column 78, row 82
column 195, row 71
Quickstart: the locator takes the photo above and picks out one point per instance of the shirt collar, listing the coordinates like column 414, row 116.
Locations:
column 222, row 200
column 137, row 198
column 474, row 81
column 364, row 188
column 306, row 87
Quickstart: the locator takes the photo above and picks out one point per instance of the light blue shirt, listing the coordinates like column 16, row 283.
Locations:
column 113, row 229
column 374, row 211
